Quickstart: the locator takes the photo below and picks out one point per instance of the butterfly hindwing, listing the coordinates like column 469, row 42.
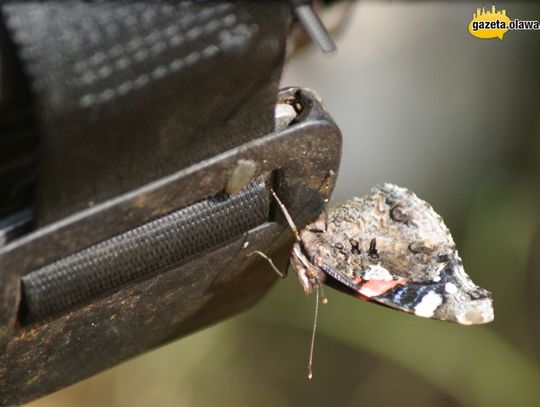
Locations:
column 391, row 248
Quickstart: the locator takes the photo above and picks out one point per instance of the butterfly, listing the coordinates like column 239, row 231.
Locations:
column 391, row 248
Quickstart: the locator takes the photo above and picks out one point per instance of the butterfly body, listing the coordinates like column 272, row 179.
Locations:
column 392, row 248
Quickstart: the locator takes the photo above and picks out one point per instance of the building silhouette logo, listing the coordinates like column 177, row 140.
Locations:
column 489, row 24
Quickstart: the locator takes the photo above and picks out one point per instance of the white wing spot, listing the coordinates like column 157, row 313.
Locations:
column 450, row 288
column 428, row 305
column 377, row 272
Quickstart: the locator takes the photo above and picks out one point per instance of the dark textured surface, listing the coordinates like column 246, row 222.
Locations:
column 143, row 108
column 18, row 133
column 142, row 251
column 128, row 92
column 44, row 356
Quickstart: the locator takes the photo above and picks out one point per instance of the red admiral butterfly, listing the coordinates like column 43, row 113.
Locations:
column 389, row 247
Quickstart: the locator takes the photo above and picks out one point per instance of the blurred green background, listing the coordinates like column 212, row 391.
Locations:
column 456, row 119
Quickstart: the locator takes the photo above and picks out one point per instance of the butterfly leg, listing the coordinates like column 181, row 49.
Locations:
column 287, row 216
column 269, row 260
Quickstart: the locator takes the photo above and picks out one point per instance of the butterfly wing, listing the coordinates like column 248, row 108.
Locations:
column 391, row 248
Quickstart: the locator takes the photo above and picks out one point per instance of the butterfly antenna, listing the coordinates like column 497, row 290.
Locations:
column 287, row 216
column 312, row 346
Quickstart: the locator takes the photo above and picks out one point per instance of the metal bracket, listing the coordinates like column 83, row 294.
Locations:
column 302, row 159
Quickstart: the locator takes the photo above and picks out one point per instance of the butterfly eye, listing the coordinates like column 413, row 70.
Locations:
column 398, row 214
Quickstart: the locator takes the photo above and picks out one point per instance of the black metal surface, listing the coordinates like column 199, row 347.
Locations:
column 35, row 359
column 141, row 252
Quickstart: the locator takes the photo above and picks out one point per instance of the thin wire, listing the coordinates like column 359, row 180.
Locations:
column 312, row 346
